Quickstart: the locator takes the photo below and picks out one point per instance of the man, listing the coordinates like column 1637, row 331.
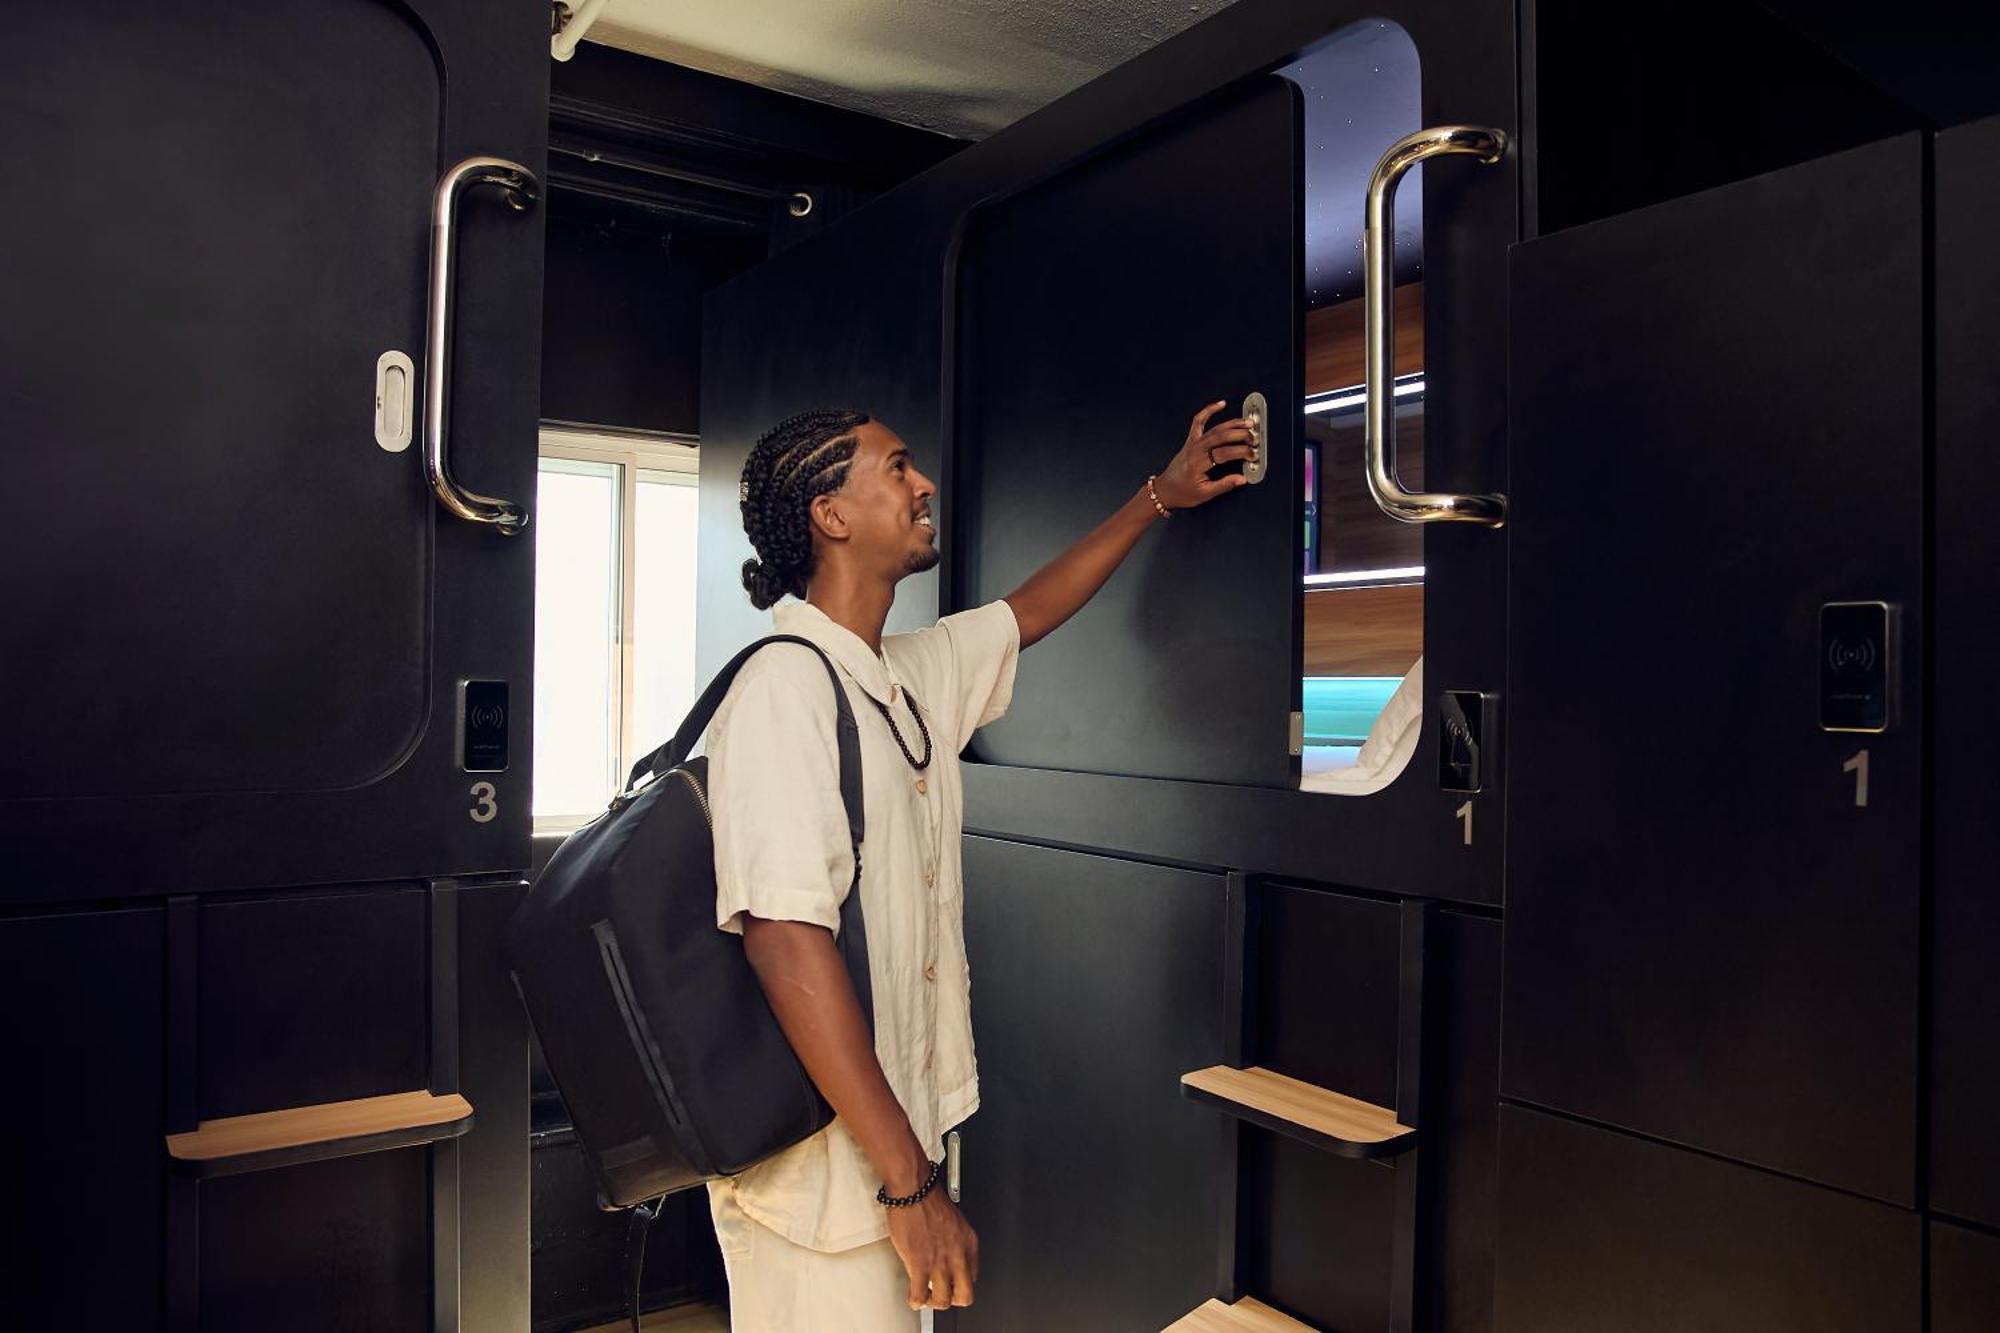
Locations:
column 851, row 1229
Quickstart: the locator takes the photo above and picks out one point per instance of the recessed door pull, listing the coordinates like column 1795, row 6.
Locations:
column 395, row 383
column 1258, row 413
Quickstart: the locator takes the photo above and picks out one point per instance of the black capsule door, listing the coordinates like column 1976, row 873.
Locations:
column 1718, row 490
column 237, row 618
column 1094, row 312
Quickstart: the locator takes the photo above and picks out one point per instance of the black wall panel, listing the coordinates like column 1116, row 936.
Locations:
column 1317, row 1228
column 622, row 319
column 1965, row 1280
column 319, row 998
column 1965, row 1060
column 1605, row 77
column 330, row 1246
column 1601, row 1231
column 493, row 1075
column 81, row 1184
column 1094, row 1186
column 1325, row 990
column 665, row 181
column 1322, row 981
column 1718, row 426
column 1464, row 1157
column 1321, row 1234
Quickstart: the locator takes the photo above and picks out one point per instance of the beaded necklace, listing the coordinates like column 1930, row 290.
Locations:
column 919, row 764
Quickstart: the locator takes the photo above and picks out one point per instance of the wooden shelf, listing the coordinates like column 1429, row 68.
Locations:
column 1345, row 1126
column 1246, row 1316
column 314, row 1133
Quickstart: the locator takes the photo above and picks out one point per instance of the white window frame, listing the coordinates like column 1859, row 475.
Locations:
column 634, row 453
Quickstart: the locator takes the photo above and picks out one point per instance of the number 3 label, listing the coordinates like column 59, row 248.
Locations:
column 487, row 807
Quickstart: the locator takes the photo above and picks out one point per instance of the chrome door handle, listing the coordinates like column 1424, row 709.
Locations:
column 521, row 188
column 1378, row 256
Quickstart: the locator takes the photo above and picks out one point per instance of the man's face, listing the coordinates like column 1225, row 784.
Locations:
column 885, row 505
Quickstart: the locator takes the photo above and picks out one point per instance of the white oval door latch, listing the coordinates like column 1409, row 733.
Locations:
column 1258, row 413
column 395, row 403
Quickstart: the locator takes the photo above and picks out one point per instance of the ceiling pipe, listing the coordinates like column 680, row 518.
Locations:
column 563, row 45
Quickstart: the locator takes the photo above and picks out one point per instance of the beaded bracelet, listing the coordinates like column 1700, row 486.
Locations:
column 910, row 1201
column 1154, row 496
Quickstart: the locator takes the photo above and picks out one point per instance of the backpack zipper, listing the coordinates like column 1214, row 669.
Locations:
column 700, row 796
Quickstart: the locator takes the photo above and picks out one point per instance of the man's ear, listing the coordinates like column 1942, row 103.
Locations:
column 827, row 519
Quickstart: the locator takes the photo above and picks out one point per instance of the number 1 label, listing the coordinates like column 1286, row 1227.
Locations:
column 1858, row 766
column 1464, row 813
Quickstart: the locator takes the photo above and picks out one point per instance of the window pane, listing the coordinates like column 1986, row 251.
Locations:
column 576, row 636
column 663, row 618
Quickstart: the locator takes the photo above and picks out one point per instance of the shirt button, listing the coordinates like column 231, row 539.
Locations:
column 930, row 879
column 921, row 788
column 930, row 973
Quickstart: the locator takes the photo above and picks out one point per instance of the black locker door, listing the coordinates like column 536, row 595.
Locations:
column 237, row 623
column 1712, row 903
column 1965, row 1051
column 1602, row 1231
column 82, row 1198
column 1094, row 1186
column 1095, row 311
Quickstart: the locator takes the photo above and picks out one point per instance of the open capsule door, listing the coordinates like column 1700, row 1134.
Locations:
column 1095, row 311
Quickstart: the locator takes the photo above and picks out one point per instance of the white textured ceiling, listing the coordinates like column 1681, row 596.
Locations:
column 960, row 67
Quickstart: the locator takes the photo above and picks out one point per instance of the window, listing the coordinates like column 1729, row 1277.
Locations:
column 615, row 522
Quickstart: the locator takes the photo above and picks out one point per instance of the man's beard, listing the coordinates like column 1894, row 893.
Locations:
column 925, row 559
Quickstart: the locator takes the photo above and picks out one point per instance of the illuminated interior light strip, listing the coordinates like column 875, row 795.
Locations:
column 1338, row 399
column 1398, row 574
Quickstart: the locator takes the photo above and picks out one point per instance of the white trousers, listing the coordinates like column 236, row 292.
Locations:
column 776, row 1286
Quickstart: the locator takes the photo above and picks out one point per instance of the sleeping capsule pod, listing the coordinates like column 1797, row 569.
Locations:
column 1655, row 668
column 1188, row 852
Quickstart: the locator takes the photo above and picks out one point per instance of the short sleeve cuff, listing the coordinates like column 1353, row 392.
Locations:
column 812, row 909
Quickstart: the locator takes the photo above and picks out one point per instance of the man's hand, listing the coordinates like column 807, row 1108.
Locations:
column 1185, row 482
column 1059, row 589
column 939, row 1249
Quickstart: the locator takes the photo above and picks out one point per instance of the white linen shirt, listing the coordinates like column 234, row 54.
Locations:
column 782, row 854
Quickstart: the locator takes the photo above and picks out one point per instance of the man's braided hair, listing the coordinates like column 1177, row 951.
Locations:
column 798, row 460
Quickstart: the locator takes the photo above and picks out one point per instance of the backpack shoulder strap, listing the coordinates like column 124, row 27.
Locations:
column 847, row 737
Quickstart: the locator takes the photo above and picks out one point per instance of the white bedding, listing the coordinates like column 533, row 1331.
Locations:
column 1391, row 742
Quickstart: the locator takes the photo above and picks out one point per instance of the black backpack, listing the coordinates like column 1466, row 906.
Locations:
column 653, row 1023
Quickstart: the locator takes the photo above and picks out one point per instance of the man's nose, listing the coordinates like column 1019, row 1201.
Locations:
column 926, row 488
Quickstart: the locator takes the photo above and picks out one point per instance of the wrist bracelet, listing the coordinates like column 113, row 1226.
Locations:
column 911, row 1200
column 1154, row 496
